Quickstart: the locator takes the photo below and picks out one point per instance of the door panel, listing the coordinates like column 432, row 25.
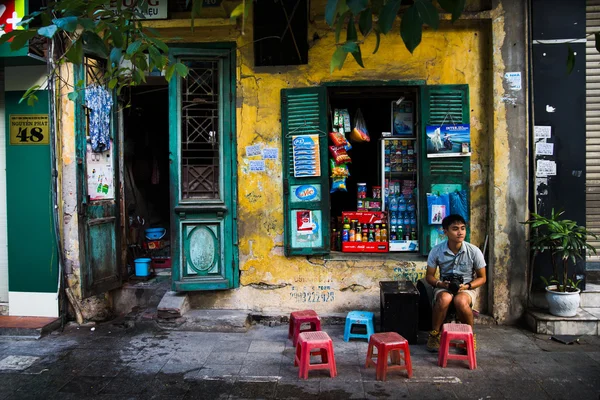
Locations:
column 203, row 170
column 98, row 194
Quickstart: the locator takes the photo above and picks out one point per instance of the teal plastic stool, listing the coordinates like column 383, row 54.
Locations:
column 358, row 318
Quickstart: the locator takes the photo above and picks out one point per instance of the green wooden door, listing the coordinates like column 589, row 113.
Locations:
column 203, row 170
column 98, row 191
column 447, row 105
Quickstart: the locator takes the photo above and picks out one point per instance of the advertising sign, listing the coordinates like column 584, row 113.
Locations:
column 448, row 140
column 11, row 13
column 157, row 9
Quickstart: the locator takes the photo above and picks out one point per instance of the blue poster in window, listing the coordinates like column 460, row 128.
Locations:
column 448, row 140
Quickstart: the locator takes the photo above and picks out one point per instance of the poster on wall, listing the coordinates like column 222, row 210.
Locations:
column 306, row 228
column 100, row 174
column 402, row 118
column 306, row 156
column 448, row 140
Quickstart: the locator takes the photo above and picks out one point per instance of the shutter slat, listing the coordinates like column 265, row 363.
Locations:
column 592, row 115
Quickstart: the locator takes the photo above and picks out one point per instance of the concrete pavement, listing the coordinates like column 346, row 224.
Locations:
column 121, row 360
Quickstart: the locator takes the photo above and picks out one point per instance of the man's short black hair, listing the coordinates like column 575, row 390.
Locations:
column 451, row 219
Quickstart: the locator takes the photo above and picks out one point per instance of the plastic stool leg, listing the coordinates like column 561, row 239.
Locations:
column 471, row 352
column 443, row 350
column 304, row 361
column 332, row 365
column 407, row 360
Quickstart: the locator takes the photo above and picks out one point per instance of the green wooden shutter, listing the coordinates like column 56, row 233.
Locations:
column 445, row 104
column 304, row 112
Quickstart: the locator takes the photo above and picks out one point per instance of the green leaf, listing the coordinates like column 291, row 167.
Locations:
column 116, row 35
column 358, row 56
column 75, row 53
column 31, row 91
column 68, row 24
column 155, row 57
column 351, row 31
column 113, row 83
column 338, row 58
column 238, row 11
column 388, row 15
column 48, row 31
column 330, row 11
column 134, row 47
column 428, row 13
column 87, row 23
column 196, row 10
column 32, row 100
column 365, row 22
column 356, row 6
column 7, row 36
column 20, row 40
column 160, row 44
column 455, row 7
column 72, row 96
column 350, row 47
column 181, row 70
column 115, row 55
column 339, row 25
column 94, row 44
column 169, row 73
column 378, row 36
column 411, row 28
column 570, row 60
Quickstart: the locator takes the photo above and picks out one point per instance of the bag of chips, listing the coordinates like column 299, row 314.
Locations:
column 339, row 155
column 338, row 171
column 338, row 138
column 338, row 185
column 359, row 133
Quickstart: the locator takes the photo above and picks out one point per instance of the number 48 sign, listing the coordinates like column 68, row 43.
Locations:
column 29, row 129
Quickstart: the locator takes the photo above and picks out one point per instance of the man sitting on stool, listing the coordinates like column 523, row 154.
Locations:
column 462, row 269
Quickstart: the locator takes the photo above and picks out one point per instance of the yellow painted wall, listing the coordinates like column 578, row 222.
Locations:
column 456, row 54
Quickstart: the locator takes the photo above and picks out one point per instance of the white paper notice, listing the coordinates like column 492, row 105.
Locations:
column 546, row 168
column 270, row 153
column 544, row 149
column 514, row 80
column 257, row 165
column 542, row 132
column 253, row 150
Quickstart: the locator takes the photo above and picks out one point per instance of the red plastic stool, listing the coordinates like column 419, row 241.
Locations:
column 298, row 318
column 388, row 345
column 452, row 332
column 307, row 343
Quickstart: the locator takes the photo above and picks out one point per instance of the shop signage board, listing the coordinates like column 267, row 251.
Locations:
column 448, row 140
column 157, row 9
column 29, row 129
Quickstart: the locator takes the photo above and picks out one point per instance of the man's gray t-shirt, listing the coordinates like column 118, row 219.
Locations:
column 468, row 259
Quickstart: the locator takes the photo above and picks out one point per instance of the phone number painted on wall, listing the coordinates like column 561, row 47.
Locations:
column 29, row 129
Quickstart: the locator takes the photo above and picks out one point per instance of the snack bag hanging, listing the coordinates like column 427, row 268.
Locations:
column 338, row 185
column 338, row 171
column 339, row 155
column 359, row 133
column 459, row 205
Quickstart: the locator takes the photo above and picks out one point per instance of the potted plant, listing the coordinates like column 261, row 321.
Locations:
column 566, row 242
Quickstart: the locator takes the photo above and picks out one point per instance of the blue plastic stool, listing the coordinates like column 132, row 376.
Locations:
column 358, row 318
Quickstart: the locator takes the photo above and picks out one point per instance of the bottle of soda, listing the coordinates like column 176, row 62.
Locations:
column 358, row 233
column 393, row 235
column 333, row 244
column 377, row 233
column 413, row 234
column 394, row 218
column 393, row 203
column 371, row 233
column 384, row 233
column 346, row 230
column 401, row 203
column 400, row 232
column 365, row 233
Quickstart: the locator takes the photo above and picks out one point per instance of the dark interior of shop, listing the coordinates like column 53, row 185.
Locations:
column 146, row 157
column 375, row 104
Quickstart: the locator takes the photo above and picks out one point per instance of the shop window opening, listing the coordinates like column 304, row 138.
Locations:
column 374, row 196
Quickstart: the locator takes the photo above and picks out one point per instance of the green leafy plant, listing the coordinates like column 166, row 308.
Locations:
column 116, row 34
column 564, row 240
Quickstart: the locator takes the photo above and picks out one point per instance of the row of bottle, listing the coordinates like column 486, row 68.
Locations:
column 403, row 232
column 401, row 203
column 403, row 218
column 353, row 231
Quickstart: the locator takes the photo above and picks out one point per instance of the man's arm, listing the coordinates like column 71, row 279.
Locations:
column 477, row 282
column 432, row 280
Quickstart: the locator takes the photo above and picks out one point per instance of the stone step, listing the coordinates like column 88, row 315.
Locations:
column 590, row 297
column 209, row 321
column 27, row 327
column 586, row 322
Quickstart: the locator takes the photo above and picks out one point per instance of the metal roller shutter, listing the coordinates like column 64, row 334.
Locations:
column 592, row 116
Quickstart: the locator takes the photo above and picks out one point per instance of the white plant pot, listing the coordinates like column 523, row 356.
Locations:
column 562, row 304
